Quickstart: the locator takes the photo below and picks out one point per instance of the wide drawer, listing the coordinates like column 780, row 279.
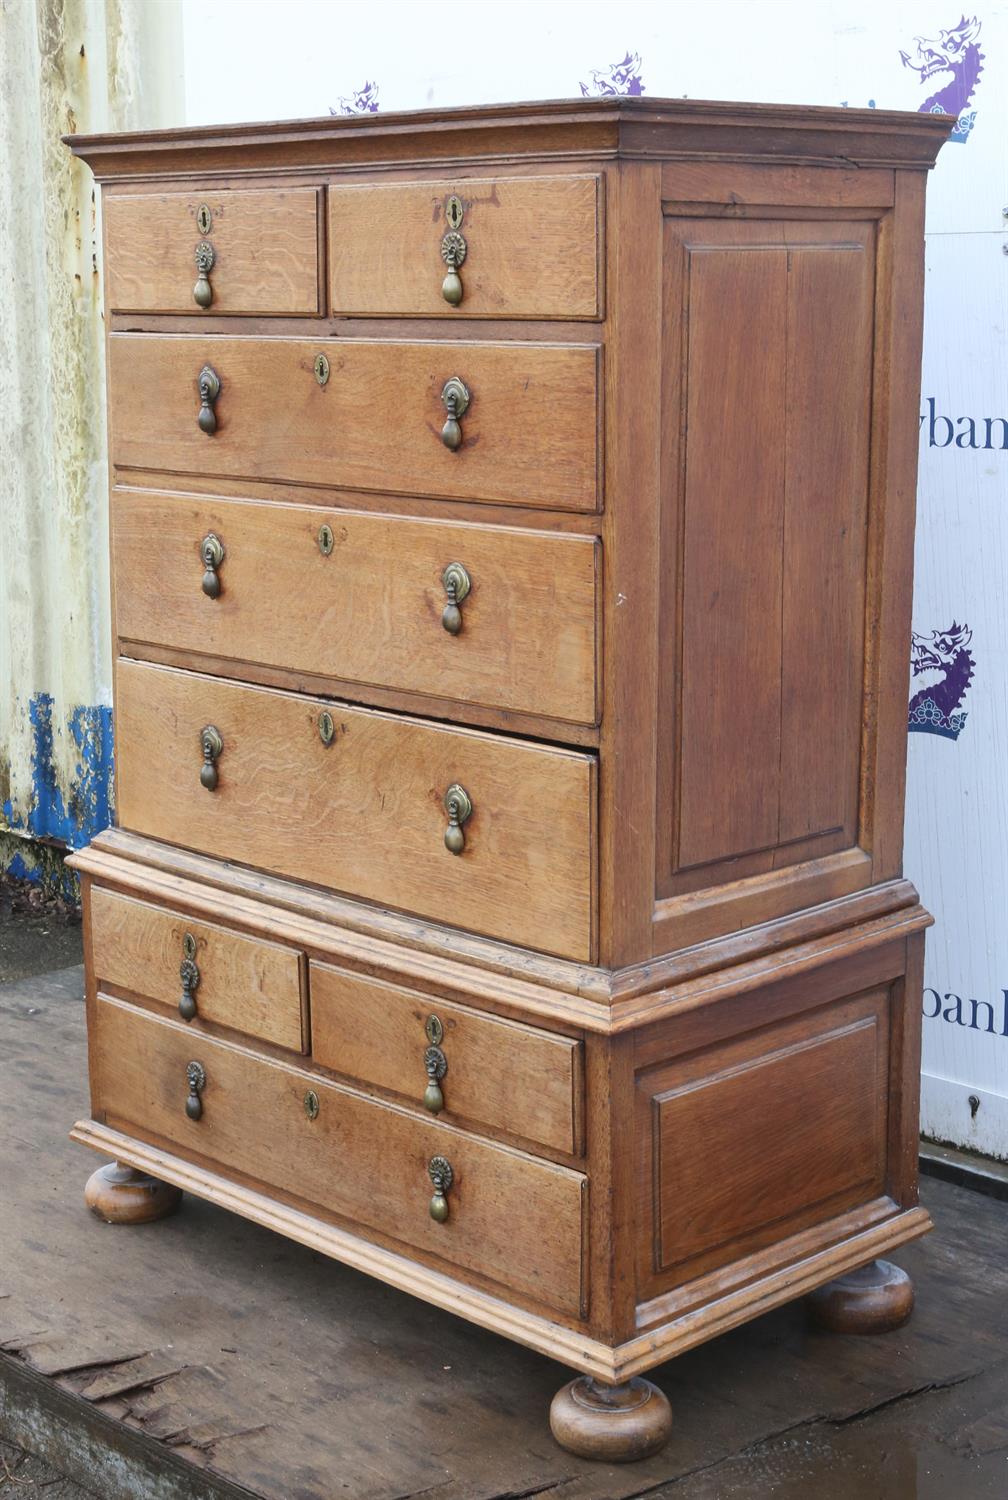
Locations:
column 244, row 983
column 531, row 247
column 264, row 251
column 365, row 813
column 491, row 1072
column 362, row 598
column 511, row 1218
column 375, row 422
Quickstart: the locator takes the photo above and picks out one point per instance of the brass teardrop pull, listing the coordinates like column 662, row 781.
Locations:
column 190, row 976
column 441, row 1175
column 453, row 253
column 208, row 385
column 196, row 1079
column 459, row 808
column 457, row 584
column 203, row 291
column 212, row 746
column 435, row 1066
column 455, row 395
column 212, row 553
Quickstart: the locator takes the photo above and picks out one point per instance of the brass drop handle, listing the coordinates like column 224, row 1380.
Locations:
column 458, row 806
column 457, row 584
column 212, row 553
column 190, row 976
column 196, row 1079
column 212, row 745
column 203, row 291
column 455, row 395
column 435, row 1066
column 442, row 1176
column 453, row 253
column 208, row 386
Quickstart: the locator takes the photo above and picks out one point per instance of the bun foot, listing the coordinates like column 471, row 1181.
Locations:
column 873, row 1299
column 616, row 1424
column 121, row 1195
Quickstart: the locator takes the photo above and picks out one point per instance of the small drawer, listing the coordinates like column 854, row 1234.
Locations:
column 363, row 598
column 263, row 251
column 363, row 802
column 499, row 1074
column 511, row 1218
column 244, row 983
column 531, row 247
column 363, row 415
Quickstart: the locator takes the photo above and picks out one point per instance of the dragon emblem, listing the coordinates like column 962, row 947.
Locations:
column 618, row 79
column 950, row 65
column 363, row 102
column 941, row 670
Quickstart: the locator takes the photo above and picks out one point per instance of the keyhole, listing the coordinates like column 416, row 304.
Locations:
column 454, row 211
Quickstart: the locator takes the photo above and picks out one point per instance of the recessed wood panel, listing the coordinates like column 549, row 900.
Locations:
column 532, row 247
column 512, row 1218
column 244, row 983
column 501, row 1074
column 364, row 814
column 369, row 611
column 265, row 246
column 751, row 1139
column 765, row 475
column 529, row 436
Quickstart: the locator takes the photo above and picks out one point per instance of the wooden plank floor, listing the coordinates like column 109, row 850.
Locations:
column 276, row 1373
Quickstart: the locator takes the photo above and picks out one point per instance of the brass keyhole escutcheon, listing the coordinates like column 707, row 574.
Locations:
column 434, row 1030
column 204, row 219
column 441, row 1175
column 454, row 211
column 188, row 946
column 196, row 1079
column 458, row 806
column 457, row 584
column 321, row 369
column 311, row 1104
column 325, row 539
column 212, row 745
column 212, row 554
column 326, row 727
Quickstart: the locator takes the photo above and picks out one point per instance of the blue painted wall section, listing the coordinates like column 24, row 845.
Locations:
column 74, row 814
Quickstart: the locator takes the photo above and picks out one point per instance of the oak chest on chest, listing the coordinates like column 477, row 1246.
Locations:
column 511, row 548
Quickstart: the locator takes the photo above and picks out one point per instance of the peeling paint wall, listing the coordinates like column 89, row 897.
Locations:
column 65, row 65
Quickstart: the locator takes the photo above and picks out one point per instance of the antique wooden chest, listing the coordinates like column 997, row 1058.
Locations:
column 511, row 542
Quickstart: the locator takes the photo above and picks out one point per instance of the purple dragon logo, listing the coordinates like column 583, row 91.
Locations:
column 363, row 102
column 618, row 79
column 941, row 669
column 953, row 61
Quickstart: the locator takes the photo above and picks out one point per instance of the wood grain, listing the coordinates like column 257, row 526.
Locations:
column 512, row 1218
column 364, row 814
column 245, row 984
column 371, row 611
column 512, row 1078
column 532, row 247
column 265, row 250
column 529, row 435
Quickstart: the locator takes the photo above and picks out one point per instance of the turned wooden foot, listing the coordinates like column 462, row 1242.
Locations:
column 121, row 1195
column 873, row 1299
column 613, row 1423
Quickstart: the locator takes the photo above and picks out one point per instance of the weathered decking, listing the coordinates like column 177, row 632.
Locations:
column 205, row 1357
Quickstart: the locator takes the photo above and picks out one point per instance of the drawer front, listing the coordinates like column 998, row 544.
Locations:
column 500, row 1074
column 511, row 1218
column 265, row 251
column 371, row 611
column 364, row 814
column 244, row 983
column 532, row 247
column 528, row 436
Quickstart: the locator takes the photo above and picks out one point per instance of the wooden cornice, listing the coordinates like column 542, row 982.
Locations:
column 594, row 129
